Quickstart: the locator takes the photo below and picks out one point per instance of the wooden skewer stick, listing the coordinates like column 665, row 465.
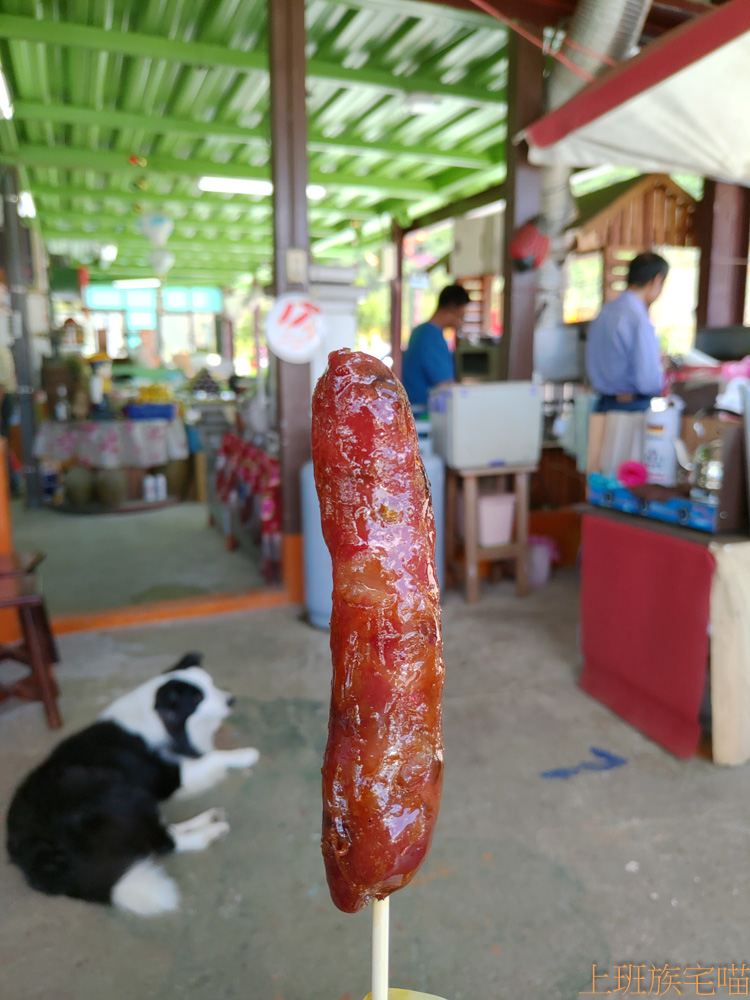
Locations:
column 380, row 909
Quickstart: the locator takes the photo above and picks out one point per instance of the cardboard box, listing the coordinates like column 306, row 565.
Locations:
column 726, row 510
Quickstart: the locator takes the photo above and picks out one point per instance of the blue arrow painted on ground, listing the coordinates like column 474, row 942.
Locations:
column 605, row 762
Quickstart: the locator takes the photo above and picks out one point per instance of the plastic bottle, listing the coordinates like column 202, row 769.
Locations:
column 661, row 431
column 62, row 407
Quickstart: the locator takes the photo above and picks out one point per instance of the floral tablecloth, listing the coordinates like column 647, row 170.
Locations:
column 113, row 444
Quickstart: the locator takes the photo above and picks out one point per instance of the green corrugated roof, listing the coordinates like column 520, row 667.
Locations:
column 184, row 85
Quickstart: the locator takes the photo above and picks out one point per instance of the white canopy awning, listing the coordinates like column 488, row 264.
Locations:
column 681, row 105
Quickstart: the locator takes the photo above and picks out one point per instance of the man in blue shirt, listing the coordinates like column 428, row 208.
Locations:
column 623, row 360
column 428, row 360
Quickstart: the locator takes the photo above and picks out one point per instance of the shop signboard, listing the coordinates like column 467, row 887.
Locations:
column 295, row 328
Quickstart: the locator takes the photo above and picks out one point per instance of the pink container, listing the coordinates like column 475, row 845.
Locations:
column 496, row 518
column 736, row 369
column 542, row 554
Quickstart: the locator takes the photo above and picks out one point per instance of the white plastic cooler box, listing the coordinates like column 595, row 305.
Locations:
column 490, row 423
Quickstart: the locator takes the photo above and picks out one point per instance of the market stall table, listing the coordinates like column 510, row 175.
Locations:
column 113, row 444
column 651, row 596
column 105, row 462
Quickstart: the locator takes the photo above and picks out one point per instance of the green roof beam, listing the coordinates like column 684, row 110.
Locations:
column 106, row 161
column 415, row 83
column 352, row 145
column 349, row 241
column 192, row 277
column 454, row 182
column 455, row 209
column 424, row 11
column 260, row 209
column 53, row 221
column 128, row 43
column 167, row 125
column 178, row 247
column 81, row 36
column 345, row 236
column 67, row 114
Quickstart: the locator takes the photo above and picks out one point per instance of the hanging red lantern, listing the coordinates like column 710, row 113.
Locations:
column 529, row 247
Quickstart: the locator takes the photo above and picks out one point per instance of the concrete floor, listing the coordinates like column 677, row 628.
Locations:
column 102, row 561
column 529, row 880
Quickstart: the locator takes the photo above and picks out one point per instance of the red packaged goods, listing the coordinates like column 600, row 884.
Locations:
column 383, row 765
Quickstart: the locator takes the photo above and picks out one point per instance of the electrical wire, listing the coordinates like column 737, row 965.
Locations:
column 586, row 51
column 540, row 44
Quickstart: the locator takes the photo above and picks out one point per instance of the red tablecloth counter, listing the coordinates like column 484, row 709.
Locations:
column 654, row 598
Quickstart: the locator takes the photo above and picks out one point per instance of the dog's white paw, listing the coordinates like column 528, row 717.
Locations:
column 215, row 831
column 242, row 757
column 204, row 819
column 196, row 834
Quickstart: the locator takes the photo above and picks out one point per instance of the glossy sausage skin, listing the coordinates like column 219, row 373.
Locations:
column 383, row 766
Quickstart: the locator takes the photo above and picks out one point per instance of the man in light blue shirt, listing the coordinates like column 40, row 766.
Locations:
column 428, row 360
column 623, row 360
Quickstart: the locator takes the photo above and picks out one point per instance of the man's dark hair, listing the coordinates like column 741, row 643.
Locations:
column 645, row 267
column 453, row 297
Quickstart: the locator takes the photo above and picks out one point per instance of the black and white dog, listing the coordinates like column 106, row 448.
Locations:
column 86, row 822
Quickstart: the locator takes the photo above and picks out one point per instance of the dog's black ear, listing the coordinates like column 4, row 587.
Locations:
column 188, row 660
column 175, row 702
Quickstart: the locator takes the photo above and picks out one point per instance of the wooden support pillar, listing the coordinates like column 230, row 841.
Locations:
column 723, row 223
column 522, row 203
column 487, row 282
column 16, row 279
column 397, row 300
column 286, row 24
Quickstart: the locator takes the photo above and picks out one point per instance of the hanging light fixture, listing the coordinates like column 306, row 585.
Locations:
column 157, row 228
column 6, row 101
column 108, row 254
column 26, row 206
column 258, row 188
column 420, row 102
column 136, row 283
column 162, row 261
column 236, row 185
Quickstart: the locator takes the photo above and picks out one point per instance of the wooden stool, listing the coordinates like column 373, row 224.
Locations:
column 24, row 564
column 37, row 651
column 19, row 563
column 473, row 551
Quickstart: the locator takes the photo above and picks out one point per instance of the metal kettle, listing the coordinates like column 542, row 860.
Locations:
column 705, row 467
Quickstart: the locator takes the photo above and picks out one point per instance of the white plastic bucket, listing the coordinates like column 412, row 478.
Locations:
column 540, row 564
column 543, row 552
column 496, row 518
